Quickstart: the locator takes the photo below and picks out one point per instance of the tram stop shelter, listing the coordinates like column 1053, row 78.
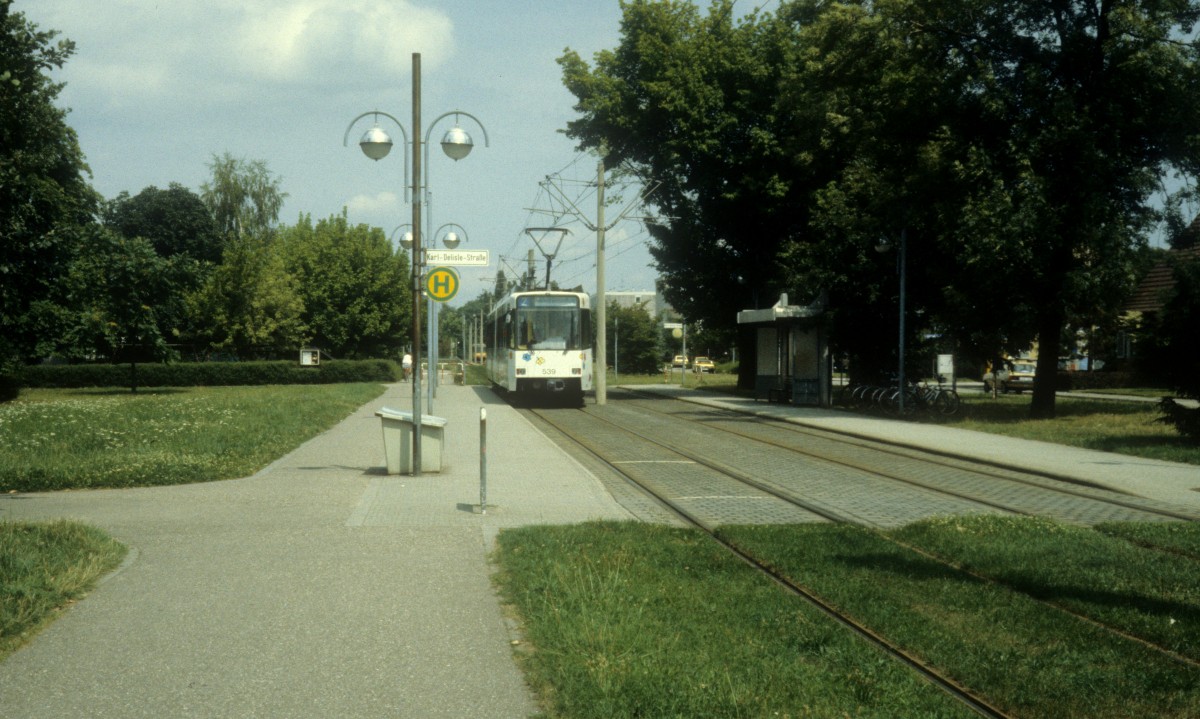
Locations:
column 792, row 359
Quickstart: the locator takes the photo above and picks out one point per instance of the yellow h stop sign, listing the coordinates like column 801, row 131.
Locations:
column 441, row 283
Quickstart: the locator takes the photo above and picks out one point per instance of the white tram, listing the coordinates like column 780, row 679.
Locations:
column 539, row 343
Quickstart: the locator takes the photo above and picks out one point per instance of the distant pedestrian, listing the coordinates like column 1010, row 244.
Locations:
column 406, row 363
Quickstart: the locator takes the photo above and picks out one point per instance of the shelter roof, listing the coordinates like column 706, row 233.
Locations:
column 782, row 312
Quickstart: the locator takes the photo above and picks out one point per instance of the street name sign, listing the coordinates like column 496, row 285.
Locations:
column 458, row 258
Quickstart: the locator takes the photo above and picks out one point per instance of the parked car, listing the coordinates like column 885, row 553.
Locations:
column 679, row 361
column 704, row 364
column 1016, row 377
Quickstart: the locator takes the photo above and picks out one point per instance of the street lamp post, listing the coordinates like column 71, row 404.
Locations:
column 376, row 144
column 902, row 261
column 457, row 144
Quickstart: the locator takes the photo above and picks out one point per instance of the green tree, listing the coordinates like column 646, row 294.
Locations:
column 715, row 344
column 886, row 144
column 1016, row 135
column 45, row 197
column 451, row 321
column 250, row 305
column 1103, row 113
column 355, row 290
column 180, row 228
column 1016, row 144
column 243, row 196
column 175, row 220
column 634, row 339
column 119, row 286
column 688, row 100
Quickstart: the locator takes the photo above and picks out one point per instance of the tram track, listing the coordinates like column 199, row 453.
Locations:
column 703, row 422
column 1074, row 489
column 979, row 705
column 1007, row 490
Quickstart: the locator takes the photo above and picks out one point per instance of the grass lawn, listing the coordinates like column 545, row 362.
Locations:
column 626, row 620
column 90, row 438
column 1112, row 426
column 43, row 568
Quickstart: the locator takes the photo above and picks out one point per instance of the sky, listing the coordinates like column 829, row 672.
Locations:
column 157, row 88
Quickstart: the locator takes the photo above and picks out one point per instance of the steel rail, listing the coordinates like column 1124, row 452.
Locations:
column 1096, row 494
column 952, row 688
column 788, row 497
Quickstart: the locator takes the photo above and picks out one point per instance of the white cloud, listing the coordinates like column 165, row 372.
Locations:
column 379, row 204
column 325, row 40
column 212, row 51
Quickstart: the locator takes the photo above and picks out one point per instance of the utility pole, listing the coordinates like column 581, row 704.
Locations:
column 600, row 382
column 600, row 227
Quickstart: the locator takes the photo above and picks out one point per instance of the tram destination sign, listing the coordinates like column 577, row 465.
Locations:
column 458, row 258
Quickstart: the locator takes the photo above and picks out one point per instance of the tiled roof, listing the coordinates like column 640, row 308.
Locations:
column 1149, row 295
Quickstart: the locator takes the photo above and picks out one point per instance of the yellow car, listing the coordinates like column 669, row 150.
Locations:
column 1017, row 379
column 703, row 364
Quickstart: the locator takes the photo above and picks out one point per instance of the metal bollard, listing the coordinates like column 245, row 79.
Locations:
column 483, row 460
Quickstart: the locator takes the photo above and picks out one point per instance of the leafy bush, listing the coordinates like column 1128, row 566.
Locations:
column 210, row 374
column 1099, row 380
column 1185, row 419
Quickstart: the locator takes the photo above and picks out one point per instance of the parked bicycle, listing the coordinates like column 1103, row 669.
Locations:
column 936, row 398
column 918, row 397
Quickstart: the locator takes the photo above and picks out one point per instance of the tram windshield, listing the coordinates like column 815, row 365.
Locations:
column 550, row 323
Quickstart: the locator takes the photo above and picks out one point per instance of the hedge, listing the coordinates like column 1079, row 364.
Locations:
column 10, row 384
column 1103, row 380
column 196, row 374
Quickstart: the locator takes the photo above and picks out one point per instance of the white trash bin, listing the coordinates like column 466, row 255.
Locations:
column 397, row 440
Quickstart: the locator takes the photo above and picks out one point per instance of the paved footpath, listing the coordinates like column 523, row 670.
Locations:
column 319, row 587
